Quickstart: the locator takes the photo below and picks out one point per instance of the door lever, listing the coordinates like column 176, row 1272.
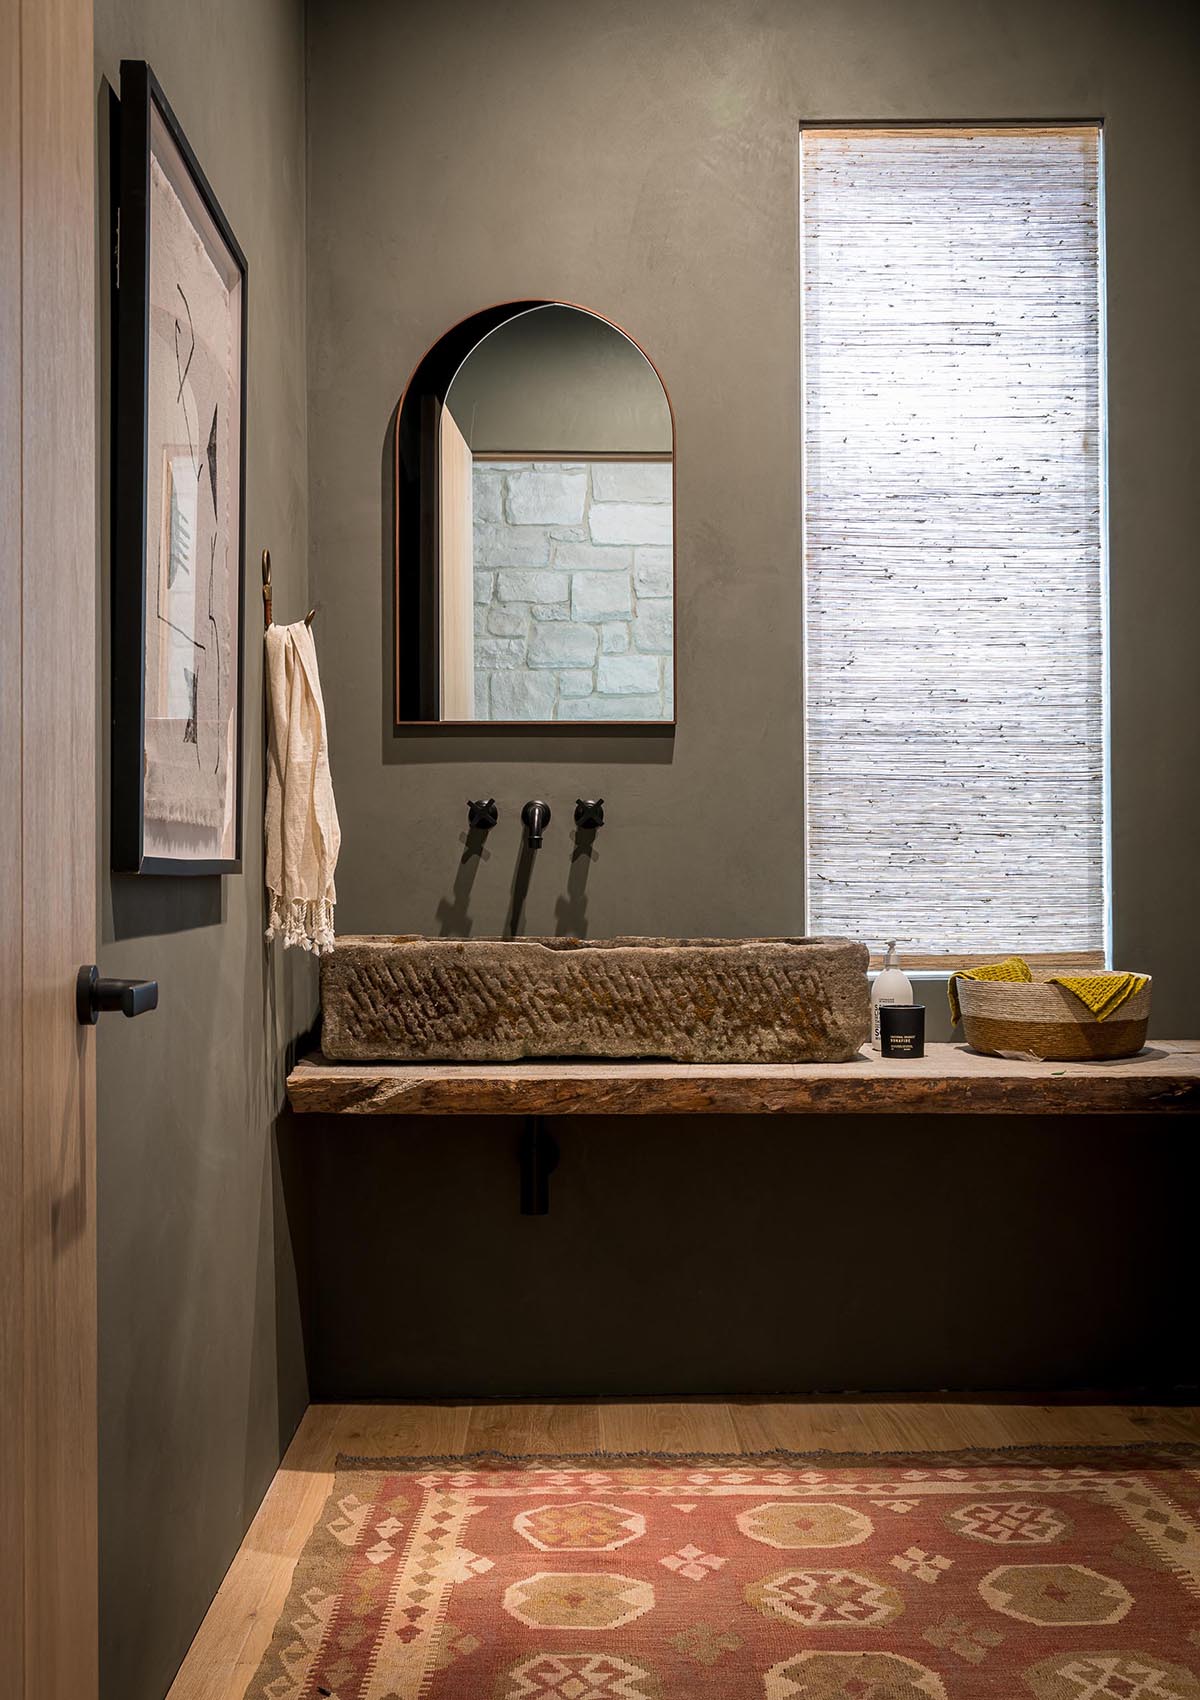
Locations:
column 93, row 996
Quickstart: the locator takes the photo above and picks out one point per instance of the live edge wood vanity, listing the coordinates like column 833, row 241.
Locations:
column 948, row 1080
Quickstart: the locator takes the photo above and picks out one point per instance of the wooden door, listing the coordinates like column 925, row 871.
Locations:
column 48, row 1631
column 456, row 571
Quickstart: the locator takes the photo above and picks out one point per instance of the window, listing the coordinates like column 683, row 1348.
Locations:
column 954, row 539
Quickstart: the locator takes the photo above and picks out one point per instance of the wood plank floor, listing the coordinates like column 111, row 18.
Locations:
column 235, row 1634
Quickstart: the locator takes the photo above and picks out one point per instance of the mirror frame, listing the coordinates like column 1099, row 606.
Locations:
column 415, row 601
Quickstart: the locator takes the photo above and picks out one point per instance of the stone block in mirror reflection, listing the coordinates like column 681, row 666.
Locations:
column 521, row 696
column 487, row 491
column 507, row 619
column 545, row 497
column 601, row 596
column 653, row 572
column 507, row 653
column 630, row 522
column 631, row 481
column 614, row 708
column 562, row 646
column 521, row 585
column 654, row 628
column 627, row 675
column 592, row 557
column 511, row 545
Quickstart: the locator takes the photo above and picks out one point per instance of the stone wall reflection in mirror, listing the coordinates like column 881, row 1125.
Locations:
column 535, row 573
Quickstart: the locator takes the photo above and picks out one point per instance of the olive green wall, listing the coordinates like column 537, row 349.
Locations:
column 202, row 1374
column 642, row 159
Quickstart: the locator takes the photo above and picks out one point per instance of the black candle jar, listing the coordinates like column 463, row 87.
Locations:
column 902, row 1030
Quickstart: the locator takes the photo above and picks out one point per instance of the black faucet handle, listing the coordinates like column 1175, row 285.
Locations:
column 483, row 814
column 589, row 813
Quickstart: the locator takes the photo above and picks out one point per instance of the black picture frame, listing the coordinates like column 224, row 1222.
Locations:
column 142, row 102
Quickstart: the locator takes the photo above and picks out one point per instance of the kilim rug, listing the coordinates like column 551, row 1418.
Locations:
column 1014, row 1575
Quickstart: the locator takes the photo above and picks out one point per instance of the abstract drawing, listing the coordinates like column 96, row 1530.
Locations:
column 179, row 557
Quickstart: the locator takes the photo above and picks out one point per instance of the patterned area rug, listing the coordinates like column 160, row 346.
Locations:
column 1051, row 1574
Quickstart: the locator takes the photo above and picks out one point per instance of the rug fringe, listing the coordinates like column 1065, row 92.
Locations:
column 1180, row 1452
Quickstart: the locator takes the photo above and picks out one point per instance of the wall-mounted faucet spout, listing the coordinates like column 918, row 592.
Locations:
column 536, row 817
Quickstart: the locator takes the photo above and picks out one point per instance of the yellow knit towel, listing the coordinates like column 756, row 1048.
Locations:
column 1012, row 968
column 1102, row 993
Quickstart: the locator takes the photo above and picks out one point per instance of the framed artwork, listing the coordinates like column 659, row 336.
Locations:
column 179, row 474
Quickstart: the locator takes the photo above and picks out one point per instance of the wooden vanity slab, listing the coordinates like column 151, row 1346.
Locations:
column 948, row 1080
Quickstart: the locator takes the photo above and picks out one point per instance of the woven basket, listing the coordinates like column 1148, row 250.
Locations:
column 1041, row 1020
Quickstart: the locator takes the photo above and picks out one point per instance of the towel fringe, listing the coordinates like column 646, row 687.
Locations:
column 303, row 921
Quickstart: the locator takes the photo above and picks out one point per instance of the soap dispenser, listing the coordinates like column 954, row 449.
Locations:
column 892, row 985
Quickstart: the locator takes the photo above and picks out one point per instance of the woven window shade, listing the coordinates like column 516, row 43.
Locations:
column 953, row 539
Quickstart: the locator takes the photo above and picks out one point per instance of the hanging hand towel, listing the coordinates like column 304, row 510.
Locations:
column 302, row 830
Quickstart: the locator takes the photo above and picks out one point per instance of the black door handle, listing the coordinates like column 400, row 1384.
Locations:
column 93, row 995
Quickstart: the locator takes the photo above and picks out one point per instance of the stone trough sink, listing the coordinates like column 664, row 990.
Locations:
column 412, row 999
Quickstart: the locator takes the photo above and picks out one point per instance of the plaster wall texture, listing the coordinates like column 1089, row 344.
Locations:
column 658, row 183
column 656, row 180
column 202, row 1374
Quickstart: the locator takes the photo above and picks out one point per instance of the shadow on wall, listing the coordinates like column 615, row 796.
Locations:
column 453, row 912
column 150, row 908
column 784, row 1254
column 570, row 909
column 522, row 875
column 289, row 1277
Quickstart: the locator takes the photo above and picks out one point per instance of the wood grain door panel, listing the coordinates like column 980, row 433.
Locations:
column 48, row 1626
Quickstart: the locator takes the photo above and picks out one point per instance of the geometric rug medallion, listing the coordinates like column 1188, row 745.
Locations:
column 1047, row 1574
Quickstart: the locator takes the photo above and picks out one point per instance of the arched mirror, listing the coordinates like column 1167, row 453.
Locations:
column 535, row 559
